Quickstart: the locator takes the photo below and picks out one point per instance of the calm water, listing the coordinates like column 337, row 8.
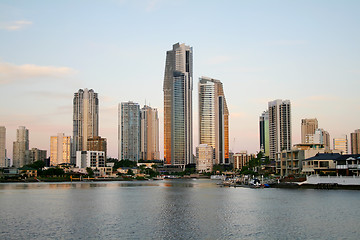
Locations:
column 174, row 209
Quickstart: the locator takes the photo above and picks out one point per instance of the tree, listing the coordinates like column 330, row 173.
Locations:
column 130, row 172
column 90, row 172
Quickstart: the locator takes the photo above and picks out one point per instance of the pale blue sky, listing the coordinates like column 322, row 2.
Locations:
column 305, row 51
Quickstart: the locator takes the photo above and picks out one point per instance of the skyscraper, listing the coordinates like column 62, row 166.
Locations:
column 214, row 119
column 129, row 131
column 355, row 142
column 20, row 147
column 178, row 86
column 85, row 119
column 308, row 127
column 149, row 133
column 279, row 126
column 3, row 160
column 59, row 149
column 264, row 132
column 320, row 137
column 341, row 143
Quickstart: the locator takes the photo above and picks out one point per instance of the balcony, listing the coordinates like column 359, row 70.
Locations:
column 342, row 167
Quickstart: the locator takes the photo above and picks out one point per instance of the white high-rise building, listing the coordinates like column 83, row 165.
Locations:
column 129, row 131
column 3, row 158
column 20, row 147
column 149, row 133
column 178, row 86
column 279, row 126
column 214, row 119
column 85, row 119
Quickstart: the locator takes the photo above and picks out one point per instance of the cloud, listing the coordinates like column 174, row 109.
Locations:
column 10, row 73
column 288, row 42
column 15, row 25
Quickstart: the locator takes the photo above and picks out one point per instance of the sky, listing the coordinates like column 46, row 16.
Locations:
column 304, row 51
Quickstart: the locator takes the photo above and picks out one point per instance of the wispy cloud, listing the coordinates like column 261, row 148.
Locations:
column 288, row 42
column 15, row 25
column 10, row 73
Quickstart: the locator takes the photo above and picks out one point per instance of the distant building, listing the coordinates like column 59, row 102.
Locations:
column 204, row 158
column 348, row 165
column 341, row 144
column 177, row 87
column 3, row 158
column 60, row 147
column 319, row 137
column 241, row 159
column 149, row 134
column 214, row 118
column 308, row 127
column 97, row 143
column 290, row 162
column 20, row 146
column 264, row 133
column 35, row 154
column 355, row 142
column 85, row 119
column 129, row 131
column 279, row 126
column 85, row 159
column 320, row 163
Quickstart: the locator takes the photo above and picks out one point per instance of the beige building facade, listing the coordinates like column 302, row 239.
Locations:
column 60, row 146
column 149, row 146
column 308, row 127
column 204, row 158
column 241, row 159
column 355, row 142
column 341, row 144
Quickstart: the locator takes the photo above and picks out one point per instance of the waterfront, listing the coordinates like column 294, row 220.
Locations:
column 174, row 209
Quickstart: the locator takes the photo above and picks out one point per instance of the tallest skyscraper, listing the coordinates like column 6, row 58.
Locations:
column 178, row 86
column 85, row 119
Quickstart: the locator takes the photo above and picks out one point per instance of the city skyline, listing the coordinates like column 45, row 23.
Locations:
column 260, row 53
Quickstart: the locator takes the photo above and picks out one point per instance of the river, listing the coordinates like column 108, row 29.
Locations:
column 174, row 209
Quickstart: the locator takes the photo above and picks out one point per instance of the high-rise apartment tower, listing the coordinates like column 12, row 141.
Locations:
column 308, row 127
column 214, row 119
column 178, row 86
column 341, row 143
column 264, row 133
column 85, row 119
column 149, row 133
column 355, row 142
column 20, row 147
column 59, row 149
column 129, row 131
column 3, row 158
column 279, row 126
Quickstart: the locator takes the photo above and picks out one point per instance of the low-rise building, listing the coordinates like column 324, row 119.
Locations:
column 241, row 159
column 321, row 163
column 204, row 158
column 289, row 162
column 91, row 159
column 348, row 165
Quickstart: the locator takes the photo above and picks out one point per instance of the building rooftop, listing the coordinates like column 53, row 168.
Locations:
column 325, row 156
